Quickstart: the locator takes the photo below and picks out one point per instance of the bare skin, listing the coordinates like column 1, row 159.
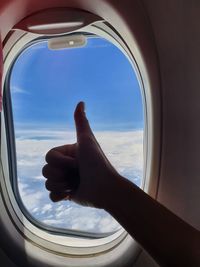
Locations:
column 82, row 173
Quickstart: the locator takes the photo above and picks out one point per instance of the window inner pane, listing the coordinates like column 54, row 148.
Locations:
column 45, row 87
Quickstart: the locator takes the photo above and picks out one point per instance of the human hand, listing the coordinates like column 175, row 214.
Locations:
column 80, row 172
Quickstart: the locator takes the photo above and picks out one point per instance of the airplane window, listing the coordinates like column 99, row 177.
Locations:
column 45, row 86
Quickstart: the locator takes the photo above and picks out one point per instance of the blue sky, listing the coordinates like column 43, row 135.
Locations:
column 46, row 85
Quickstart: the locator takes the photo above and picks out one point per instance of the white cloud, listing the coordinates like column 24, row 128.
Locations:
column 123, row 149
column 31, row 198
column 35, row 210
column 60, row 208
column 39, row 177
column 46, row 208
column 17, row 90
column 52, row 222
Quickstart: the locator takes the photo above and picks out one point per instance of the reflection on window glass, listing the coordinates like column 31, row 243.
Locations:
column 45, row 87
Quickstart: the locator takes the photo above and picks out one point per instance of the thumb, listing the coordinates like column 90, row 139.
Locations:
column 82, row 124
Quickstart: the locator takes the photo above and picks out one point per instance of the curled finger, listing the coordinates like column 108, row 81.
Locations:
column 55, row 158
column 57, row 186
column 59, row 196
column 58, row 174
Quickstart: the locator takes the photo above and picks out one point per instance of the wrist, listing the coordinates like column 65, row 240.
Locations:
column 118, row 194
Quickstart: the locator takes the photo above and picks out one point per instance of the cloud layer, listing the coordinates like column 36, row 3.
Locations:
column 123, row 149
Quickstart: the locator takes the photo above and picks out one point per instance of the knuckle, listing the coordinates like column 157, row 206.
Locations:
column 47, row 185
column 55, row 197
column 54, row 186
column 49, row 155
column 52, row 197
column 45, row 170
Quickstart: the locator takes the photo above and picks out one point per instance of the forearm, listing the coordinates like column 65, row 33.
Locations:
column 167, row 238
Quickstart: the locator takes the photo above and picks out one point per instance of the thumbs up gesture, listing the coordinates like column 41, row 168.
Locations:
column 80, row 172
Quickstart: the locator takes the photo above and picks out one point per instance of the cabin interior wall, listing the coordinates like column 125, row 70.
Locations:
column 177, row 37
column 5, row 261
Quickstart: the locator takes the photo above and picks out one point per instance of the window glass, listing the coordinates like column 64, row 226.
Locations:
column 45, row 86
